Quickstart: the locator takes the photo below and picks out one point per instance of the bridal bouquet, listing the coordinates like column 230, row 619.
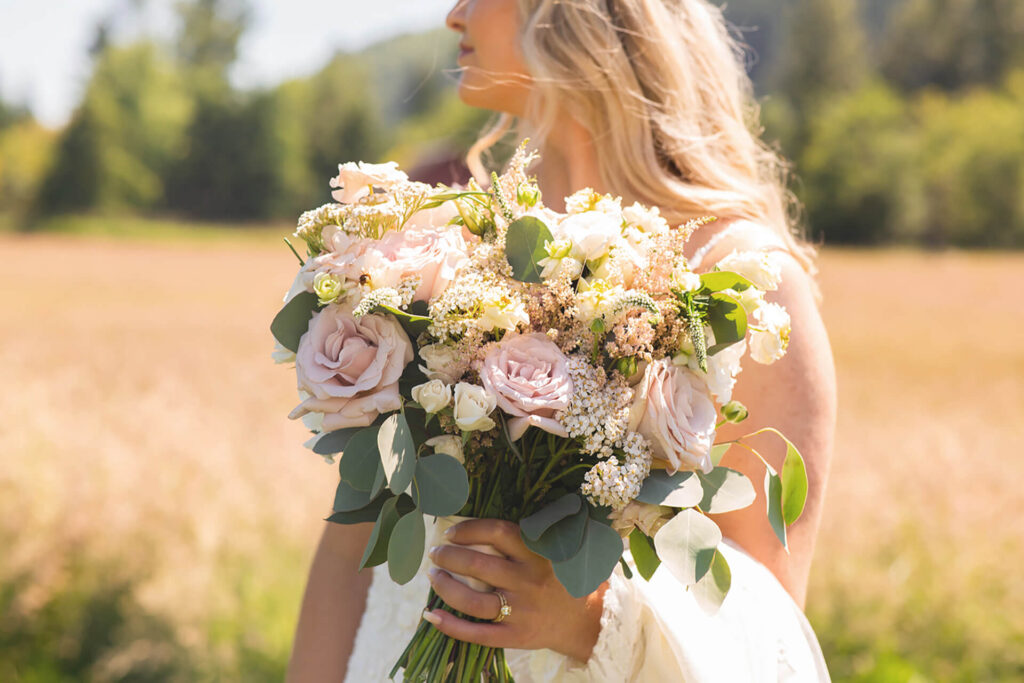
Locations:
column 471, row 352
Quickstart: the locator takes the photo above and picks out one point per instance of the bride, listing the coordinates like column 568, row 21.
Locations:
column 647, row 100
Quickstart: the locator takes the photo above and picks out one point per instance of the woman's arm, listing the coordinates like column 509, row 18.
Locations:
column 797, row 396
column 332, row 606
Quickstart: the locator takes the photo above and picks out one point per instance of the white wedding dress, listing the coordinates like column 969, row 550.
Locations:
column 651, row 632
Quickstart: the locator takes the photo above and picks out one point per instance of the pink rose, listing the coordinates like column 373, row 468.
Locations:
column 356, row 180
column 349, row 367
column 435, row 254
column 529, row 376
column 673, row 409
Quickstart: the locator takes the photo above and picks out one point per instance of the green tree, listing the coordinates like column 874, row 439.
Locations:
column 953, row 43
column 207, row 43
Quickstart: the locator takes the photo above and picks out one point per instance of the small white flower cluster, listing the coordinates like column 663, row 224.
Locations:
column 477, row 301
column 385, row 296
column 615, row 484
column 598, row 411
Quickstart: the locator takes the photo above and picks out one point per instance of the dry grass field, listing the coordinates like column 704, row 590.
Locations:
column 157, row 511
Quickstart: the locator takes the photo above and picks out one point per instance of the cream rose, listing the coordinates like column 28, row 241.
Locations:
column 356, row 180
column 592, row 234
column 673, row 409
column 434, row 395
column 769, row 337
column 760, row 267
column 529, row 376
column 350, row 367
column 448, row 445
column 473, row 404
column 643, row 516
column 442, row 362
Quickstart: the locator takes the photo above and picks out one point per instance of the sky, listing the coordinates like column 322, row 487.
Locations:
column 44, row 44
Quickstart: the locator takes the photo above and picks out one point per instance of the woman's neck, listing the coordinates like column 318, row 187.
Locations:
column 568, row 163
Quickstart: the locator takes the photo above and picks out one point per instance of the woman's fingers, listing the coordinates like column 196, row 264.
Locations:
column 463, row 598
column 486, row 634
column 504, row 536
column 497, row 571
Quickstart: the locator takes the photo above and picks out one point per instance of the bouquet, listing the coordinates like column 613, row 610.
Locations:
column 463, row 351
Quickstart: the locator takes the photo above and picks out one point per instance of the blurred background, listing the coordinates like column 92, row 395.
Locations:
column 157, row 512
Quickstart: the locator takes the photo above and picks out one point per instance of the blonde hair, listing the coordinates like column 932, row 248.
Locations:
column 660, row 86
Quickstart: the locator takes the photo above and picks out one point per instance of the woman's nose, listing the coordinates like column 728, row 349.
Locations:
column 456, row 17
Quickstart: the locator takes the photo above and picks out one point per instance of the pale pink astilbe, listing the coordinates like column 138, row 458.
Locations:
column 632, row 336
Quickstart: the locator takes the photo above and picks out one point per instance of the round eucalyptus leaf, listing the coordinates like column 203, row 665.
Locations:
column 561, row 540
column 725, row 490
column 405, row 547
column 711, row 590
column 679, row 490
column 397, row 452
column 360, row 460
column 585, row 571
column 349, row 499
column 687, row 545
column 377, row 547
column 539, row 522
column 440, row 486
column 292, row 321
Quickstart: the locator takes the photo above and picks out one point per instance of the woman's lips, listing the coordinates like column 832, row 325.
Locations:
column 464, row 50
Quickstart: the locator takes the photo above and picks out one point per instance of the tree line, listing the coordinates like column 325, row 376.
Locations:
column 904, row 120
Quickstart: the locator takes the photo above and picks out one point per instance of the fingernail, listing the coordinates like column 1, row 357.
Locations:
column 433, row 574
column 449, row 532
column 431, row 617
column 433, row 551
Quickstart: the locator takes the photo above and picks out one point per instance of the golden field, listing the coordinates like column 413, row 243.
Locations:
column 157, row 511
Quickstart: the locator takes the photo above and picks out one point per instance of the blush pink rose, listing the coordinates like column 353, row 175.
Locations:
column 673, row 410
column 349, row 367
column 435, row 254
column 529, row 376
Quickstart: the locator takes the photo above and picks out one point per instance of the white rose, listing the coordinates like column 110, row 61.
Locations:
column 723, row 367
column 472, row 406
column 770, row 336
column 356, row 180
column 686, row 280
column 757, row 266
column 434, row 395
column 442, row 361
column 448, row 445
column 592, row 234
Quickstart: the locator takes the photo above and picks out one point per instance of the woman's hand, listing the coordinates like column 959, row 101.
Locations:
column 543, row 614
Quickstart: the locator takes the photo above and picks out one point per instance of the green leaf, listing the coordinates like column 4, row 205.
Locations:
column 292, row 321
column 686, row 544
column 361, row 460
column 773, row 491
column 585, row 571
column 718, row 280
column 405, row 548
column 679, row 490
column 728, row 321
column 397, row 452
column 725, row 490
column 413, row 324
column 537, row 523
column 641, row 547
column 794, row 484
column 380, row 480
column 717, row 452
column 330, row 443
column 561, row 540
column 349, row 499
column 711, row 590
column 440, row 486
column 524, row 247
column 377, row 547
column 364, row 514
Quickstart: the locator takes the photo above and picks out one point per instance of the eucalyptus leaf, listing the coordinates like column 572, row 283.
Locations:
column 599, row 513
column 380, row 480
column 718, row 280
column 773, row 491
column 292, row 321
column 330, row 443
column 368, row 513
column 585, row 571
column 349, row 499
column 728, row 321
column 524, row 247
column 563, row 539
column 376, row 551
column 413, row 324
column 539, row 522
column 405, row 548
column 725, row 490
column 397, row 452
column 360, row 461
column 794, row 484
column 679, row 490
column 641, row 547
column 440, row 486
column 717, row 452
column 711, row 590
column 687, row 544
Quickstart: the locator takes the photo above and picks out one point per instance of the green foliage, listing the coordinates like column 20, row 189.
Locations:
column 563, row 539
column 397, row 452
column 681, row 489
column 292, row 321
column 360, row 461
column 711, row 590
column 687, row 545
column 440, row 486
column 26, row 149
column 524, row 247
column 600, row 551
column 641, row 547
column 536, row 524
column 405, row 548
column 725, row 490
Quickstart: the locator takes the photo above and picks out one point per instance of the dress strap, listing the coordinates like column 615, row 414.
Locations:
column 730, row 230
